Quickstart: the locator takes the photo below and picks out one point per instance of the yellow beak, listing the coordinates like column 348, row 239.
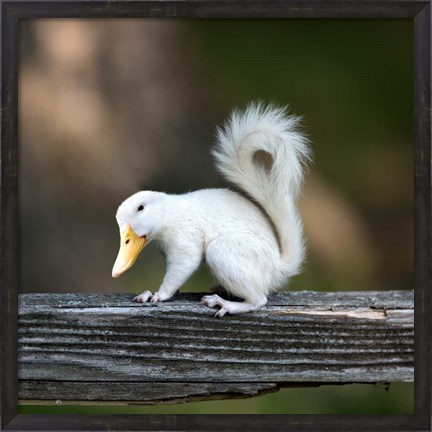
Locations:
column 130, row 247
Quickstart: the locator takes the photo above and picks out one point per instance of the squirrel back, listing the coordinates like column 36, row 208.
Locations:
column 261, row 151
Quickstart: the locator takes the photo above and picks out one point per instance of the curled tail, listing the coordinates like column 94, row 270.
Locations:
column 261, row 151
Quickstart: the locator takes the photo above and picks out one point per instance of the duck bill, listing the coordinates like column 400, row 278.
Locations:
column 130, row 247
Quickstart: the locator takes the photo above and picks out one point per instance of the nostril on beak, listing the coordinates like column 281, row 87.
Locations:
column 127, row 241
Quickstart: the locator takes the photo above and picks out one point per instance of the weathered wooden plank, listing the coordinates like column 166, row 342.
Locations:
column 137, row 392
column 177, row 350
column 352, row 299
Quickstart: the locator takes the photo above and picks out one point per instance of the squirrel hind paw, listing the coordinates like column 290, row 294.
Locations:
column 214, row 300
column 230, row 307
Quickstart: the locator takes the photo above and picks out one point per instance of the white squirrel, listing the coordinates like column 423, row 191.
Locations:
column 252, row 244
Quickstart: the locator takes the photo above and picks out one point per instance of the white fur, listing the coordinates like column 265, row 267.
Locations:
column 228, row 230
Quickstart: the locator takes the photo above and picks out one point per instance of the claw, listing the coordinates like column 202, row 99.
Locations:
column 220, row 313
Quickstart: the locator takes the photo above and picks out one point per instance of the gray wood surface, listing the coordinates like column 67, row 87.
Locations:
column 105, row 348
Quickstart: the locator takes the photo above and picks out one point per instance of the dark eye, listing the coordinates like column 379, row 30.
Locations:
column 140, row 208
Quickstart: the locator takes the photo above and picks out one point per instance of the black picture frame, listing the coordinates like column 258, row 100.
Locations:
column 13, row 11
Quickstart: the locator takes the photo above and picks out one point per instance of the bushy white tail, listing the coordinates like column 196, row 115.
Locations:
column 261, row 151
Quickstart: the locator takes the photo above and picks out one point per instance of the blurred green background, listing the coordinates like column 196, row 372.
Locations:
column 111, row 107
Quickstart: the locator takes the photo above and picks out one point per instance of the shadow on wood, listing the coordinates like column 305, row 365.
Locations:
column 94, row 348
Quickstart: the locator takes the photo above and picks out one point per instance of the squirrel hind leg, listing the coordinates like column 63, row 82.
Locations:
column 244, row 272
column 231, row 307
column 224, row 293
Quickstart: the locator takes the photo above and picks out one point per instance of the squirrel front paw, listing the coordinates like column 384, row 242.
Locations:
column 144, row 297
column 148, row 296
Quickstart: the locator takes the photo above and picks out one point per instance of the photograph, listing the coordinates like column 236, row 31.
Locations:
column 216, row 216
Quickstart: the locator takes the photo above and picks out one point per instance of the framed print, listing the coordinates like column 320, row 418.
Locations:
column 104, row 99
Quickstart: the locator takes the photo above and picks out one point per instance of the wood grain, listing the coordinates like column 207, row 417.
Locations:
column 94, row 347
